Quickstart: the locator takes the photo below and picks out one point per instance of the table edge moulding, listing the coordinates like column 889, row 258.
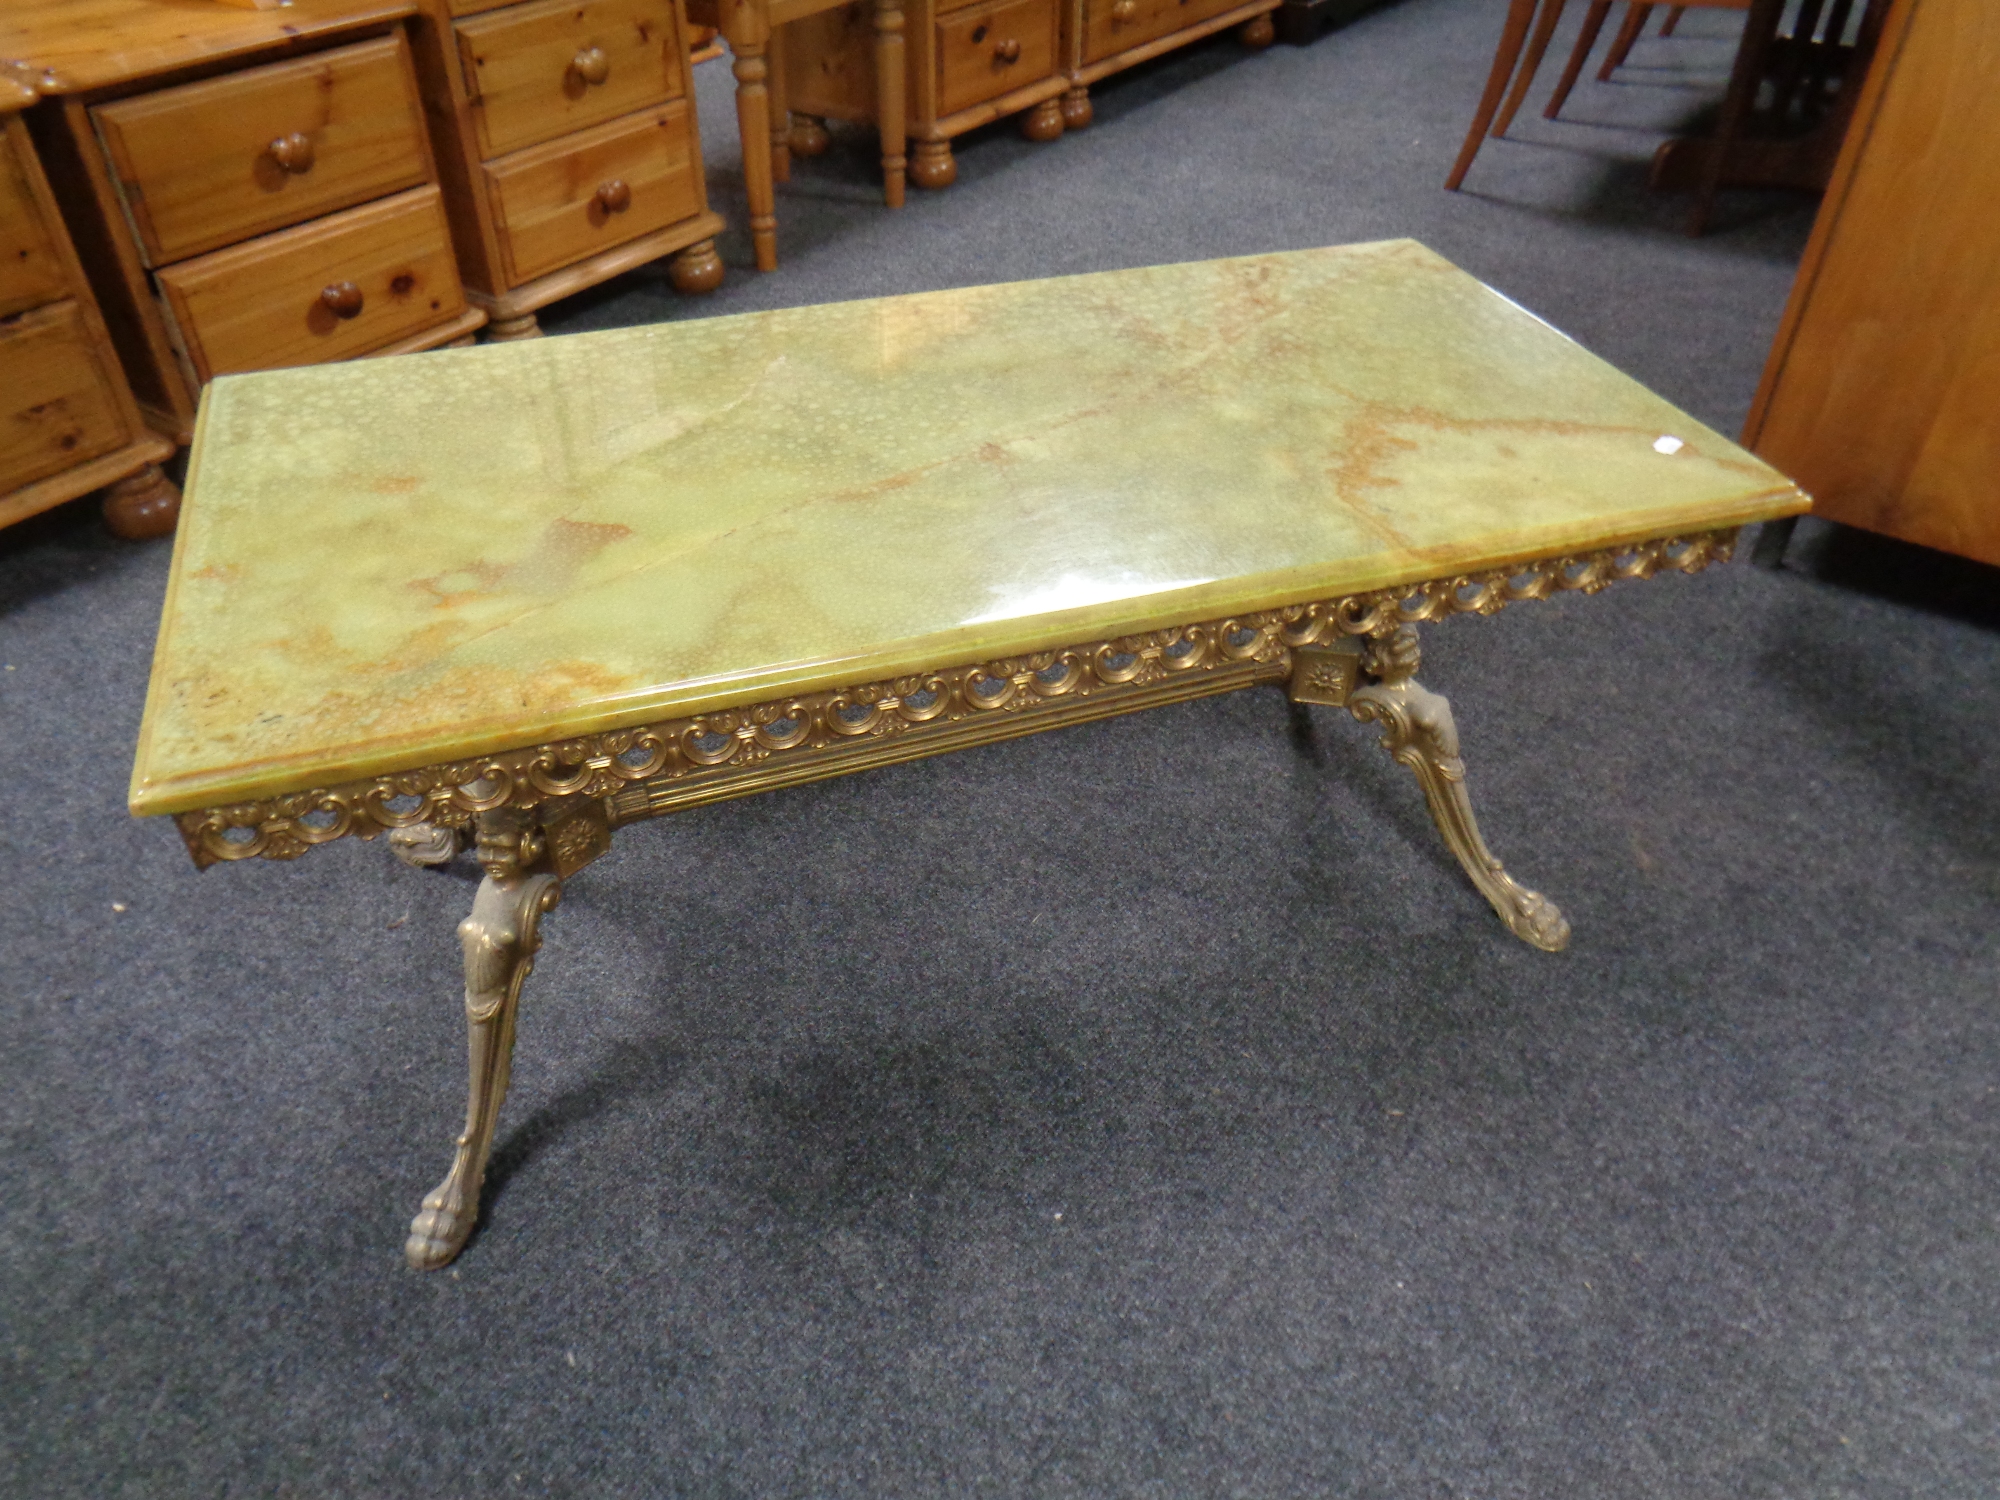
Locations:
column 1616, row 485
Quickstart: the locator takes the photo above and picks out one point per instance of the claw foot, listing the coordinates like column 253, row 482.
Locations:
column 441, row 1227
column 1536, row 920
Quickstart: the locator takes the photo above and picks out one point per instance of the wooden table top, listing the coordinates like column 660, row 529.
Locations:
column 387, row 564
column 68, row 46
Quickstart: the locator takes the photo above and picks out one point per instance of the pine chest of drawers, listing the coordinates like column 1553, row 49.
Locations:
column 567, row 147
column 247, row 189
column 973, row 61
column 68, row 424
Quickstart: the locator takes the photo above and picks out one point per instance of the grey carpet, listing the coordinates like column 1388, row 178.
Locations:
column 1147, row 1109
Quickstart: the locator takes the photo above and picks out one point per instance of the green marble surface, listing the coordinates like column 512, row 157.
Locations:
column 389, row 563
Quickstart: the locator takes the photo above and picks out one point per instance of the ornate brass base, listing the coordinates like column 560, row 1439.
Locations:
column 1418, row 730
column 500, row 939
column 543, row 812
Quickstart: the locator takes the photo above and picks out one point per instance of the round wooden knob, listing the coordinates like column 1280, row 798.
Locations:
column 342, row 299
column 591, row 65
column 614, row 197
column 292, row 152
column 1010, row 50
column 1125, row 10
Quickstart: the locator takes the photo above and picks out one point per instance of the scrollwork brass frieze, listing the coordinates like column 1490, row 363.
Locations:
column 654, row 768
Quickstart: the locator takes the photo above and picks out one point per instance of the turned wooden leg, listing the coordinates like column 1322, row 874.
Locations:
column 1418, row 730
column 809, row 137
column 507, row 330
column 1674, row 14
column 932, row 165
column 781, row 117
column 142, row 506
column 499, row 939
column 1076, row 108
column 1044, row 122
column 890, row 116
column 1258, row 32
column 753, row 127
column 696, row 269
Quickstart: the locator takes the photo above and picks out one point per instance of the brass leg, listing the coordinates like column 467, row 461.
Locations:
column 500, row 939
column 889, row 104
column 1417, row 729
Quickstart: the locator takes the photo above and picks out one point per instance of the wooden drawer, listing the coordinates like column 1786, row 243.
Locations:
column 987, row 50
column 560, row 203
column 1112, row 26
column 267, row 303
column 31, row 267
column 538, row 71
column 58, row 406
column 211, row 163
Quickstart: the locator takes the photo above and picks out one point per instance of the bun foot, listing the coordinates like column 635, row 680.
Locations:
column 932, row 165
column 696, row 269
column 142, row 506
column 809, row 137
column 1044, row 122
column 507, row 330
column 1076, row 108
column 1258, row 32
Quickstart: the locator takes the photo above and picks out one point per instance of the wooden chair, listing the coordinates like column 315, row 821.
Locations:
column 1514, row 35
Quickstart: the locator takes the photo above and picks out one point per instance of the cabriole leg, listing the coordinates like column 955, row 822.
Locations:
column 1417, row 729
column 500, row 939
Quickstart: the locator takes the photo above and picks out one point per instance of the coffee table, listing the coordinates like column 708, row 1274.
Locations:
column 541, row 591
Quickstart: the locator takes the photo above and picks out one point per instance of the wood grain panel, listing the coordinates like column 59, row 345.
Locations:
column 261, row 304
column 31, row 266
column 1882, row 395
column 554, row 204
column 1112, row 26
column 985, row 51
column 530, row 69
column 58, row 406
column 201, row 165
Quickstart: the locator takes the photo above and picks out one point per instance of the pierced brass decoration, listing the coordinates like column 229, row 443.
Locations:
column 1325, row 674
column 500, row 939
column 644, row 771
column 1418, row 730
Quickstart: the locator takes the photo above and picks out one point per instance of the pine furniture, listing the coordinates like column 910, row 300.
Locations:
column 567, row 147
column 582, row 585
column 245, row 188
column 68, row 424
column 1883, row 386
column 970, row 62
